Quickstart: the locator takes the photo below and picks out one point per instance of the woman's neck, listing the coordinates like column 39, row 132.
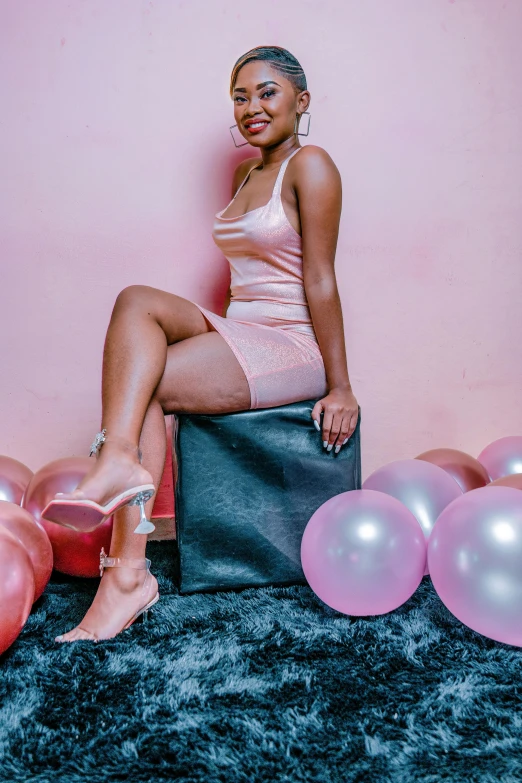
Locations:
column 272, row 158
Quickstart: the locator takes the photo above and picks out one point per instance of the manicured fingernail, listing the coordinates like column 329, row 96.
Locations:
column 345, row 440
column 330, row 447
column 337, row 449
column 325, row 443
column 317, row 427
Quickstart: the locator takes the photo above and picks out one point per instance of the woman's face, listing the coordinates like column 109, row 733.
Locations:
column 263, row 95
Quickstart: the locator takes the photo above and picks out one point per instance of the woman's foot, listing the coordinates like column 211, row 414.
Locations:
column 115, row 470
column 120, row 595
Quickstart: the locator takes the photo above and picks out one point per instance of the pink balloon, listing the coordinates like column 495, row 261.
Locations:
column 503, row 457
column 475, row 557
column 16, row 588
column 34, row 538
column 14, row 478
column 74, row 553
column 514, row 481
column 465, row 469
column 424, row 488
column 363, row 552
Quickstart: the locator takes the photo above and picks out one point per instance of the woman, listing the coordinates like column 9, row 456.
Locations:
column 280, row 339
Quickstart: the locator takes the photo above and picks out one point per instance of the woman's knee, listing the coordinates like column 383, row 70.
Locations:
column 131, row 296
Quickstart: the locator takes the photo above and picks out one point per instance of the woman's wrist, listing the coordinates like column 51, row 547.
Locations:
column 345, row 386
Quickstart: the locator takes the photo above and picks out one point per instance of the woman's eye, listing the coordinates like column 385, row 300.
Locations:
column 267, row 92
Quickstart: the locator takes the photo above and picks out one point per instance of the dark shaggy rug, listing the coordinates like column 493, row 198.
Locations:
column 260, row 685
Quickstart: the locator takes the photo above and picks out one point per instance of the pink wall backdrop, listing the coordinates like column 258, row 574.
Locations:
column 114, row 131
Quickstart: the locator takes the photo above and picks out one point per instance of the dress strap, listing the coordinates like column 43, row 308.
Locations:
column 279, row 180
column 247, row 176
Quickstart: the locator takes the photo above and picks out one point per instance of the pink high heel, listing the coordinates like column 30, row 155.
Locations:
column 85, row 515
column 141, row 563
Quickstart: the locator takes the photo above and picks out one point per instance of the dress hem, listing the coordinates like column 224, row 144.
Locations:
column 209, row 316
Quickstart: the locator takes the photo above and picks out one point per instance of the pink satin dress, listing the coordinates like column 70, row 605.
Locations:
column 268, row 324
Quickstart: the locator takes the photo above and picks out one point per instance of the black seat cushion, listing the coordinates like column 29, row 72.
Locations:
column 246, row 485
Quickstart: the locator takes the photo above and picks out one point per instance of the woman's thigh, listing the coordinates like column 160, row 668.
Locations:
column 202, row 375
column 178, row 317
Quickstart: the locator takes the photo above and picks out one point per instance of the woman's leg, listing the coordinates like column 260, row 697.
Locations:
column 119, row 595
column 144, row 322
column 202, row 375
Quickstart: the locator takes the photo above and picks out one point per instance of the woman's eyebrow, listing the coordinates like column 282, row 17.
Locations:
column 258, row 86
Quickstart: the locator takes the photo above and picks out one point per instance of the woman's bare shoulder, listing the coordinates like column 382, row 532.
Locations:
column 242, row 170
column 314, row 165
column 314, row 157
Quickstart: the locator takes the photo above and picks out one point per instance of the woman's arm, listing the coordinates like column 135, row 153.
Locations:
column 319, row 193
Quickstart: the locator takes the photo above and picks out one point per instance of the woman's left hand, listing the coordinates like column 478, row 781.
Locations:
column 340, row 413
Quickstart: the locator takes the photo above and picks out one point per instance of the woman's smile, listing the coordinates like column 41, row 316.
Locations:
column 256, row 127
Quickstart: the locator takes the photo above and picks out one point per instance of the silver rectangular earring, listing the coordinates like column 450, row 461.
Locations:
column 233, row 139
column 295, row 124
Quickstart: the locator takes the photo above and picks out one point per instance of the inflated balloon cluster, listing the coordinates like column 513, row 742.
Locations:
column 30, row 546
column 363, row 552
column 445, row 514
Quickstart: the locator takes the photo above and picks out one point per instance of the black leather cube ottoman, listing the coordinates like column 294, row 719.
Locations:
column 246, row 484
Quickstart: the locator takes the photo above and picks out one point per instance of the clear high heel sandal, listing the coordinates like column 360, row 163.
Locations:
column 141, row 563
column 85, row 515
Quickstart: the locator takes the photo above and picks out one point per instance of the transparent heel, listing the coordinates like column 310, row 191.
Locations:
column 145, row 525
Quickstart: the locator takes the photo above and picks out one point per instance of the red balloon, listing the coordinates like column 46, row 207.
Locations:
column 14, row 478
column 465, row 469
column 75, row 553
column 16, row 588
column 515, row 481
column 32, row 535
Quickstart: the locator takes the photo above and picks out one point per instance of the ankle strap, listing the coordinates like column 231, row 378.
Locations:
column 102, row 437
column 140, row 563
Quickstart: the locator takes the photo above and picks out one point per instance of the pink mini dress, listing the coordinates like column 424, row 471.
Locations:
column 268, row 324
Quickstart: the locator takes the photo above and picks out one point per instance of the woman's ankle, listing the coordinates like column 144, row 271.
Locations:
column 126, row 579
column 120, row 444
column 114, row 451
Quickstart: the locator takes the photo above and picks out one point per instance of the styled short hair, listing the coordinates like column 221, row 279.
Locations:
column 280, row 59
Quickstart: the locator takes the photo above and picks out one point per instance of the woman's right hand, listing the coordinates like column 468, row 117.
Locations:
column 340, row 411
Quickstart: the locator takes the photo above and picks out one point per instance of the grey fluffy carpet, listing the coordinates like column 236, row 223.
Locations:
column 259, row 685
